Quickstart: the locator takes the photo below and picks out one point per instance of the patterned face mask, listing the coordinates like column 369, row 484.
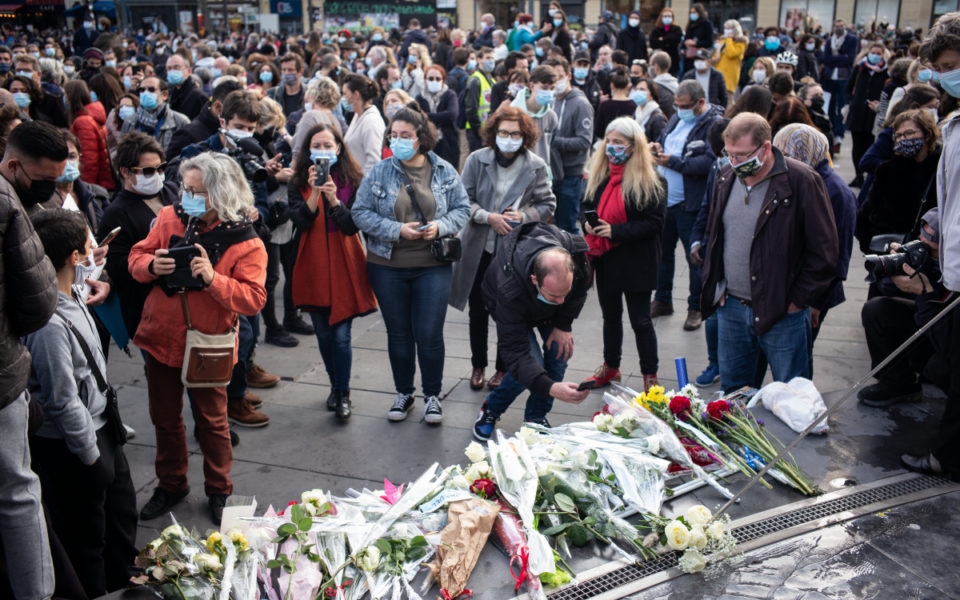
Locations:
column 908, row 148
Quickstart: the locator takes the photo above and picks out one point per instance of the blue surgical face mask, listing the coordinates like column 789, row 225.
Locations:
column 545, row 97
column 472, row 65
column 924, row 75
column 50, row 51
column 396, row 85
column 71, row 172
column 581, row 73
column 811, row 46
column 127, row 82
column 328, row 154
column 694, row 17
column 667, row 20
column 558, row 22
column 111, row 63
column 195, row 206
column 950, row 82
column 217, row 73
column 368, row 61
column 538, row 50
column 175, row 77
column 377, row 37
column 874, row 59
column 402, row 149
column 93, row 96
column 771, row 43
column 22, row 99
column 148, row 100
column 686, row 115
column 126, row 112
column 639, row 97
column 488, row 65
column 617, row 154
column 266, row 76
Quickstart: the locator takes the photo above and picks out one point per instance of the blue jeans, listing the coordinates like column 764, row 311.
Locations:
column 786, row 346
column 335, row 348
column 249, row 328
column 710, row 332
column 678, row 226
column 538, row 405
column 838, row 99
column 568, row 191
column 414, row 306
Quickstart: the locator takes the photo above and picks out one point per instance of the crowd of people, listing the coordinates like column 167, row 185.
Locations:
column 161, row 187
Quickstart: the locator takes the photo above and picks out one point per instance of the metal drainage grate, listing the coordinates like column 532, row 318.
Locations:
column 750, row 531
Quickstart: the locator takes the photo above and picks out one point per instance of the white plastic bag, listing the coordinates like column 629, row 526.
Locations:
column 797, row 403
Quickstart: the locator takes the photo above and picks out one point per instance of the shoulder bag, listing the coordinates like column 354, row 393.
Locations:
column 207, row 357
column 444, row 249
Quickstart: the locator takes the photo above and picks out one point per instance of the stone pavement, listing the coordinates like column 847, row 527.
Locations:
column 305, row 447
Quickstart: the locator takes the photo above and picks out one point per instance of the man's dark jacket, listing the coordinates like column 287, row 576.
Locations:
column 187, row 98
column 200, row 128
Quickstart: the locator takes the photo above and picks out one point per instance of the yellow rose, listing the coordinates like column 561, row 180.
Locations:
column 212, row 540
column 678, row 536
column 239, row 540
column 698, row 515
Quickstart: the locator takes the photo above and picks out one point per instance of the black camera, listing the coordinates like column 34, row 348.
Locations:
column 913, row 253
column 248, row 155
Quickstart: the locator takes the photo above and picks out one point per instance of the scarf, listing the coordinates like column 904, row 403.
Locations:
column 877, row 68
column 643, row 113
column 433, row 101
column 836, row 43
column 148, row 120
column 611, row 209
column 502, row 160
column 215, row 240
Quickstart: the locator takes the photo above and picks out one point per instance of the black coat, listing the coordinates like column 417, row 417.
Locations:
column 197, row 130
column 702, row 32
column 668, row 40
column 864, row 85
column 717, row 94
column 807, row 65
column 633, row 41
column 187, row 98
column 638, row 249
column 445, row 119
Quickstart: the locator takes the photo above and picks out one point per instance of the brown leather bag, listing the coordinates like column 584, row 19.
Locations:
column 208, row 357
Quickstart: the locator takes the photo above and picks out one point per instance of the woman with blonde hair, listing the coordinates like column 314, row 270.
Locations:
column 418, row 61
column 622, row 214
column 762, row 70
column 729, row 56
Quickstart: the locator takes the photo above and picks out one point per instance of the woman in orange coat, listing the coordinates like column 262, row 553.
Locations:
column 212, row 215
column 88, row 121
column 330, row 273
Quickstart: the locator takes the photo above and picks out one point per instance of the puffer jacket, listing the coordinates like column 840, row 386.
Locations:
column 28, row 286
column 90, row 127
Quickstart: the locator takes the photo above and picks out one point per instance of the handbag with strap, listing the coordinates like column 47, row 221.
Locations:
column 444, row 249
column 112, row 412
column 207, row 357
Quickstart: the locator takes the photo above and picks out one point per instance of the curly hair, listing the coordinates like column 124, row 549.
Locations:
column 925, row 122
column 943, row 36
column 510, row 113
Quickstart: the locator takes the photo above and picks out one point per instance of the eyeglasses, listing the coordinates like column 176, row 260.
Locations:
column 739, row 158
column 434, row 79
column 148, row 171
column 514, row 135
column 906, row 135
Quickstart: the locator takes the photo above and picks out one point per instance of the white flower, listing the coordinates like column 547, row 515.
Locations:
column 369, row 559
column 698, row 539
column 690, row 391
column 208, row 562
column 173, row 531
column 602, row 422
column 315, row 497
column 678, row 536
column 653, row 444
column 529, row 436
column 716, row 530
column 558, row 452
column 459, row 482
column 475, row 452
column 692, row 562
column 698, row 515
column 158, row 573
column 155, row 543
column 651, row 540
column 477, row 470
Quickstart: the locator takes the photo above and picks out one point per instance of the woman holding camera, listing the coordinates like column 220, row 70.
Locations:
column 412, row 285
column 231, row 264
column 623, row 215
column 329, row 276
column 507, row 185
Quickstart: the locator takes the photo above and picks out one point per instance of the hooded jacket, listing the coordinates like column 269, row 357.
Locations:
column 90, row 127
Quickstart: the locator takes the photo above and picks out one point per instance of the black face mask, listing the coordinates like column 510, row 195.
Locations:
column 38, row 191
column 817, row 104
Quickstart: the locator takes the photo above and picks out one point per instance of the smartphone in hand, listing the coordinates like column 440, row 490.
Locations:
column 323, row 170
column 586, row 385
column 592, row 218
column 110, row 236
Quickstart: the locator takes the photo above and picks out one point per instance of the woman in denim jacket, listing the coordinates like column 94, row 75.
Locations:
column 412, row 287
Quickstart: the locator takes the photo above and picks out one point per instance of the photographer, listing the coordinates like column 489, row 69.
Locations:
column 888, row 320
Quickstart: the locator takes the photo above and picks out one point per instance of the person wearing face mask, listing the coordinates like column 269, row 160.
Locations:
column 154, row 116
column 605, row 35
column 558, row 29
column 698, row 36
column 685, row 160
column 631, row 38
column 83, row 471
column 630, row 200
column 620, row 104
column 364, row 135
column 808, row 58
column 839, row 53
column 863, row 93
column 207, row 122
column 536, row 101
column 811, row 94
column 898, row 78
column 771, row 45
column 414, row 35
column 507, row 185
column 413, row 75
column 485, row 39
column 185, row 96
column 645, row 94
column 72, row 192
column 330, row 252
column 290, row 94
column 212, row 216
column 666, row 36
column 88, row 123
column 770, row 255
column 403, row 204
column 730, row 55
column 476, row 98
column 583, row 78
column 709, row 78
column 440, row 105
column 34, row 157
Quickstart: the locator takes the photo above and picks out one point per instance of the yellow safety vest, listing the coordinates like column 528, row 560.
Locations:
column 483, row 106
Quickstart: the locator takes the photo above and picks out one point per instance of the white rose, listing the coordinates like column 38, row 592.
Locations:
column 173, row 531
column 459, row 482
column 698, row 515
column 315, row 497
column 698, row 539
column 207, row 562
column 621, row 421
column 369, row 559
column 558, row 452
column 602, row 422
column 678, row 536
column 717, row 530
column 475, row 452
column 692, row 562
column 477, row 470
column 529, row 436
column 653, row 444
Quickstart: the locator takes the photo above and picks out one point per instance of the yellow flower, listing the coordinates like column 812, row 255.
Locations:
column 212, row 540
column 678, row 536
column 239, row 540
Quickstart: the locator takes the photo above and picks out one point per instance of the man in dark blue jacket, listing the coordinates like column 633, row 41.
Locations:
column 685, row 159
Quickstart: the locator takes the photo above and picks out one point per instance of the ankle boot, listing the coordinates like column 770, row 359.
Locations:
column 343, row 405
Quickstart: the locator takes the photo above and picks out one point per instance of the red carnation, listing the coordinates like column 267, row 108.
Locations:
column 717, row 409
column 680, row 406
column 484, row 488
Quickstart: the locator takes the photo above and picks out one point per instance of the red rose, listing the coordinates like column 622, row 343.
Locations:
column 484, row 488
column 717, row 409
column 680, row 406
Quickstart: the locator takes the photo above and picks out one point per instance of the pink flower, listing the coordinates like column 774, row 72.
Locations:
column 391, row 493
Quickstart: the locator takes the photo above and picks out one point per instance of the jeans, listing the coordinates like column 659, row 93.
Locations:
column 280, row 255
column 838, row 98
column 413, row 303
column 22, row 525
column 538, row 405
column 568, row 191
column 786, row 345
column 638, row 309
column 249, row 328
column 480, row 319
column 710, row 332
column 678, row 226
column 335, row 348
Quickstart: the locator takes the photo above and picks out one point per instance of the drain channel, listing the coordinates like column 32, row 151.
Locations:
column 612, row 581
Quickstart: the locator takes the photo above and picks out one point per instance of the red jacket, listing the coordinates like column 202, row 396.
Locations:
column 90, row 126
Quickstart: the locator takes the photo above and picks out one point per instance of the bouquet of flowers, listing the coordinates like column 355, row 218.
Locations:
column 702, row 538
column 177, row 565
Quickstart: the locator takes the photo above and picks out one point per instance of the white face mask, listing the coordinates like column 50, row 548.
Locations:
column 148, row 186
column 239, row 134
column 434, row 87
column 700, row 65
column 759, row 75
column 508, row 144
column 634, row 22
column 562, row 87
column 84, row 270
column 728, row 33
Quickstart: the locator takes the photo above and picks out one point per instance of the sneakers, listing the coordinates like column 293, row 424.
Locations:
column 343, row 408
column 298, row 325
column 485, row 424
column 709, row 376
column 217, row 502
column 542, row 422
column 604, row 375
column 432, row 413
column 694, row 320
column 401, row 407
column 131, row 432
column 161, row 502
column 243, row 414
column 280, row 337
column 649, row 381
column 884, row 395
column 495, row 381
column 660, row 309
column 258, row 378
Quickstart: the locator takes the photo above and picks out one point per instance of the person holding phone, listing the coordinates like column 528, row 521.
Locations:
column 507, row 185
column 629, row 200
column 411, row 285
column 320, row 194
